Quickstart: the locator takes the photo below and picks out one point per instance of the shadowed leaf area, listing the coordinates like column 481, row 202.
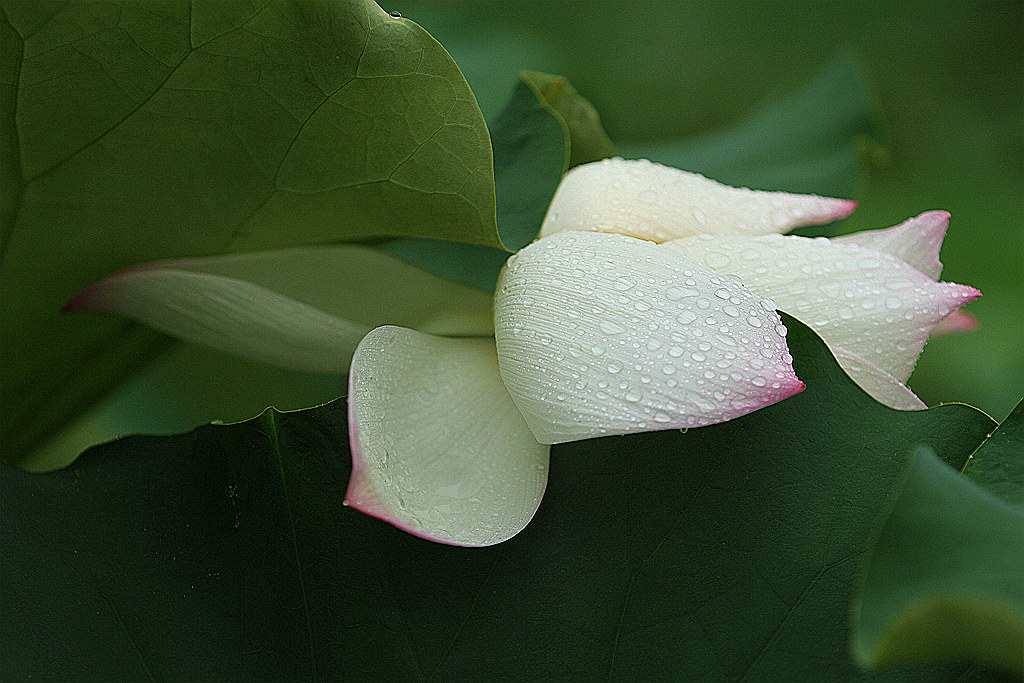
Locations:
column 725, row 552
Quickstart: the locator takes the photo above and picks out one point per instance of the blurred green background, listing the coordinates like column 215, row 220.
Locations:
column 948, row 81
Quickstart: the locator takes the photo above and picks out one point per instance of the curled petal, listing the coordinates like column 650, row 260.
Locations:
column 862, row 302
column 605, row 334
column 878, row 383
column 438, row 447
column 304, row 309
column 229, row 315
column 915, row 241
column 659, row 203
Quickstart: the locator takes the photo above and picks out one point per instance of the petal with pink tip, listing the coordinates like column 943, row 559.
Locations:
column 862, row 302
column 878, row 383
column 605, row 334
column 659, row 203
column 438, row 447
column 957, row 321
column 304, row 309
column 916, row 241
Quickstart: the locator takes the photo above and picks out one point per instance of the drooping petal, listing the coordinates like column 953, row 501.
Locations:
column 861, row 301
column 605, row 334
column 658, row 203
column 878, row 383
column 305, row 309
column 438, row 447
column 916, row 241
column 957, row 321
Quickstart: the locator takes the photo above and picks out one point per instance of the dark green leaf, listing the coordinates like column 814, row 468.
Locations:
column 587, row 140
column 811, row 141
column 545, row 128
column 725, row 552
column 945, row 579
column 139, row 131
column 998, row 464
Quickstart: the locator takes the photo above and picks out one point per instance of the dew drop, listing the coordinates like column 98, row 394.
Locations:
column 622, row 284
column 395, row 15
column 731, row 310
column 698, row 357
column 677, row 293
column 608, row 327
column 615, row 367
column 686, row 317
column 716, row 259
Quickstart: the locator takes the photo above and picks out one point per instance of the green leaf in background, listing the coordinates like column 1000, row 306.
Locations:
column 998, row 464
column 587, row 139
column 811, row 141
column 138, row 131
column 544, row 129
column 945, row 579
column 720, row 553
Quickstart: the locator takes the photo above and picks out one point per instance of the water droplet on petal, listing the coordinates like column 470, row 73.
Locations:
column 622, row 284
column 686, row 317
column 677, row 293
column 608, row 327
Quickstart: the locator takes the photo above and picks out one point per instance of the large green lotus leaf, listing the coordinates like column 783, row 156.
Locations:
column 138, row 131
column 945, row 578
column 998, row 464
column 813, row 140
column 724, row 552
column 545, row 128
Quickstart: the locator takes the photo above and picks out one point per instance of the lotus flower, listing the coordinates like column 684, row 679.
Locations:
column 649, row 302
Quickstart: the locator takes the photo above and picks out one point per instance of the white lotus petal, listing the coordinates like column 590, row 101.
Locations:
column 860, row 301
column 605, row 334
column 438, row 447
column 305, row 309
column 916, row 241
column 878, row 383
column 658, row 203
column 229, row 315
